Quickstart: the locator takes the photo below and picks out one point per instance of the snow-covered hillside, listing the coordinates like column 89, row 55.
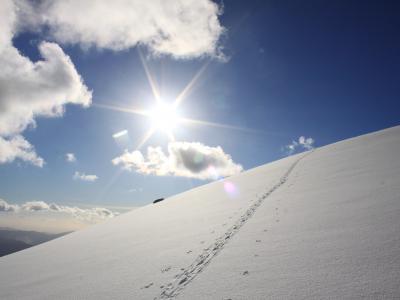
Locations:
column 319, row 225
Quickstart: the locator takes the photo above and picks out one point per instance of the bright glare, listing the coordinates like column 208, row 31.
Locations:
column 164, row 117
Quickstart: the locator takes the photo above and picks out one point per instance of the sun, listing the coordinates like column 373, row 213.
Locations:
column 164, row 117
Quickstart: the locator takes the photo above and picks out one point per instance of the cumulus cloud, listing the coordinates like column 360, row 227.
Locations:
column 84, row 177
column 5, row 207
column 180, row 28
column 302, row 143
column 37, row 89
column 35, row 206
column 17, row 147
column 90, row 214
column 70, row 157
column 193, row 160
column 31, row 89
column 28, row 89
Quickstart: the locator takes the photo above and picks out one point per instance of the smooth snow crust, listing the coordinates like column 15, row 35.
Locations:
column 317, row 225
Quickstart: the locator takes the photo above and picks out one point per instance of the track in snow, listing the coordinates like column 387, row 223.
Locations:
column 174, row 288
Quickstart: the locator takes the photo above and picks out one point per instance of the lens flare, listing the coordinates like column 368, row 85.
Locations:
column 120, row 134
column 230, row 189
column 213, row 172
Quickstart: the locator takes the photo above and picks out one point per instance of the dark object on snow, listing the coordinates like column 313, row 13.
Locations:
column 158, row 200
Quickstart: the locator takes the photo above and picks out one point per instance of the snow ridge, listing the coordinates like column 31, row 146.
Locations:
column 175, row 287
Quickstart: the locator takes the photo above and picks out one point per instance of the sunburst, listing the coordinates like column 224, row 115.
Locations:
column 164, row 116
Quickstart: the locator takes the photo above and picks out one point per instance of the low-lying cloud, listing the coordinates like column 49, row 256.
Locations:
column 6, row 207
column 302, row 143
column 193, row 160
column 90, row 214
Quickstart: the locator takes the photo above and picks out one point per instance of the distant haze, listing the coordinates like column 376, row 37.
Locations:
column 48, row 222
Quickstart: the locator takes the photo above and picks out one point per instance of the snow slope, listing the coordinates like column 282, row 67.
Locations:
column 322, row 224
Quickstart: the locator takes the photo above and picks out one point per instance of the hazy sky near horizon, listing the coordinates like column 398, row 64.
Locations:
column 259, row 80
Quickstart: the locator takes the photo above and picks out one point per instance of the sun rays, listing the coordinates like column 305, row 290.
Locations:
column 165, row 116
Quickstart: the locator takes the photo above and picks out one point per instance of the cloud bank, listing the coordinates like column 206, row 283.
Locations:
column 193, row 160
column 5, row 207
column 91, row 214
column 84, row 177
column 302, row 143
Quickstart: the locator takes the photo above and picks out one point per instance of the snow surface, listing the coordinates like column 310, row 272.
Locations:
column 319, row 225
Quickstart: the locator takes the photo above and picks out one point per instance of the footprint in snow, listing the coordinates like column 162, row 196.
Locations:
column 147, row 286
column 166, row 269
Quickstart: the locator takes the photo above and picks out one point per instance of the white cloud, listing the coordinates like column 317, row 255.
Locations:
column 37, row 89
column 84, row 177
column 28, row 89
column 193, row 160
column 31, row 89
column 302, row 143
column 35, row 206
column 70, row 157
column 5, row 207
column 180, row 28
column 90, row 214
column 17, row 147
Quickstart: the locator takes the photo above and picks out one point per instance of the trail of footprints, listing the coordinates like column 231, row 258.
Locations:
column 186, row 275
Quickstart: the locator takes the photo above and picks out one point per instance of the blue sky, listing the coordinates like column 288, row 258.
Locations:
column 324, row 70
